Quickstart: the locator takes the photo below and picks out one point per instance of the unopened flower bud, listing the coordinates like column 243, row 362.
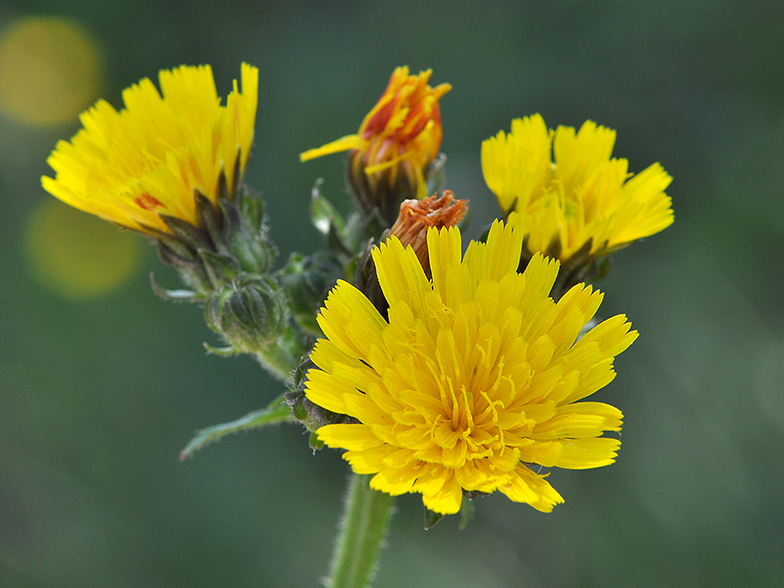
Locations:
column 396, row 143
column 247, row 234
column 416, row 217
column 250, row 312
column 410, row 228
column 307, row 281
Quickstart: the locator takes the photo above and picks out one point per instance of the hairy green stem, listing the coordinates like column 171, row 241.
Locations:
column 282, row 357
column 362, row 530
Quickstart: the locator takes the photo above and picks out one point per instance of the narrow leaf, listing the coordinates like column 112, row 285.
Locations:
column 173, row 295
column 322, row 214
column 431, row 518
column 277, row 412
column 466, row 512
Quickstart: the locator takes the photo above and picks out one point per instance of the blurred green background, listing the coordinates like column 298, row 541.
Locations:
column 101, row 383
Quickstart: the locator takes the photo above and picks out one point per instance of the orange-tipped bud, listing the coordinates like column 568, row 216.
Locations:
column 396, row 143
column 417, row 216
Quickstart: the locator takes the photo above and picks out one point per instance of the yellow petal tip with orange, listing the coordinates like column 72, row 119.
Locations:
column 131, row 165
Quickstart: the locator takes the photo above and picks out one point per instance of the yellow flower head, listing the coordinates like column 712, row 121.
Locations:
column 476, row 375
column 585, row 196
column 147, row 159
column 396, row 143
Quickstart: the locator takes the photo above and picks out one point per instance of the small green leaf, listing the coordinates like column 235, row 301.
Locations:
column 466, row 512
column 315, row 443
column 323, row 214
column 431, row 518
column 277, row 412
column 173, row 295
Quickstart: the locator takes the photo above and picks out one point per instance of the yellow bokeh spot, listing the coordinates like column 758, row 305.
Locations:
column 50, row 70
column 77, row 255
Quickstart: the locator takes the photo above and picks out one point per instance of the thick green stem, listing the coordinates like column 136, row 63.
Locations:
column 282, row 357
column 362, row 530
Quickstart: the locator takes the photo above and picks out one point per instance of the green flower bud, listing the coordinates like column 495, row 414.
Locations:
column 307, row 281
column 249, row 312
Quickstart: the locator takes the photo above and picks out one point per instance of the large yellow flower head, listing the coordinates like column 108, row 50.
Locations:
column 583, row 199
column 396, row 143
column 475, row 376
column 147, row 159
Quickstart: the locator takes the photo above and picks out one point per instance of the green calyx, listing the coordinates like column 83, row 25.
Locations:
column 229, row 237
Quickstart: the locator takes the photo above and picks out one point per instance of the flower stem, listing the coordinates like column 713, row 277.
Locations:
column 282, row 357
column 362, row 530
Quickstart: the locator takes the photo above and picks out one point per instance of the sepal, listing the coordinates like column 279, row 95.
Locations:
column 210, row 221
column 220, row 267
column 173, row 295
column 339, row 233
column 220, row 351
column 467, row 508
column 323, row 215
column 312, row 416
column 179, row 256
column 431, row 518
column 186, row 233
column 246, row 231
column 366, row 280
column 228, row 238
column 381, row 192
column 582, row 266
